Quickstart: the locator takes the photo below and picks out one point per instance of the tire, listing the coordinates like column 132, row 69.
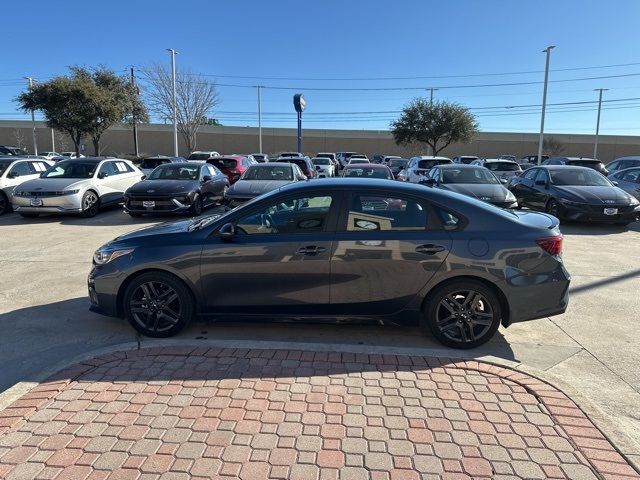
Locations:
column 90, row 204
column 553, row 208
column 223, row 198
column 468, row 309
column 196, row 206
column 28, row 215
column 134, row 215
column 5, row 205
column 158, row 305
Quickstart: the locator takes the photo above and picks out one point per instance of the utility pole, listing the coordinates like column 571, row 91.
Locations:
column 259, row 87
column 175, row 106
column 595, row 145
column 53, row 141
column 33, row 120
column 135, row 120
column 431, row 96
column 544, row 101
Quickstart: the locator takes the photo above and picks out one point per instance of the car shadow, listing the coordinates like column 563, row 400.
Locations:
column 38, row 338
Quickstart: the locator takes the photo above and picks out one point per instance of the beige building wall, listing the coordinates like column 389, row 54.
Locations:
column 157, row 139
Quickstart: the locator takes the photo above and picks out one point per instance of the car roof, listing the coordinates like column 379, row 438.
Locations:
column 564, row 167
column 184, row 164
column 269, row 165
column 452, row 166
column 571, row 159
column 430, row 157
column 502, row 160
column 366, row 165
column 631, row 157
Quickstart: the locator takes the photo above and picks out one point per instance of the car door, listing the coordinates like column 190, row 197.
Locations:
column 540, row 193
column 19, row 172
column 522, row 186
column 109, row 183
column 219, row 182
column 384, row 252
column 278, row 262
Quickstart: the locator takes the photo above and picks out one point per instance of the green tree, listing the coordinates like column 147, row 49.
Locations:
column 85, row 103
column 437, row 124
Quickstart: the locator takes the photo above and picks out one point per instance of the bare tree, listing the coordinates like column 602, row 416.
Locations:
column 18, row 135
column 552, row 146
column 196, row 96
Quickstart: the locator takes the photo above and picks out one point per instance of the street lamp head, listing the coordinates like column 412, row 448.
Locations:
column 548, row 49
column 172, row 51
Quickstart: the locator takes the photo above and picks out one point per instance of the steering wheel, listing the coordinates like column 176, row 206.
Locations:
column 267, row 220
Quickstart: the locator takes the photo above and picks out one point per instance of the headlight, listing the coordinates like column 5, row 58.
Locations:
column 104, row 255
column 70, row 192
column 510, row 197
column 633, row 201
column 569, row 202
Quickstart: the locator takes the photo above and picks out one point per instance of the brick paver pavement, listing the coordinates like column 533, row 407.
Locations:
column 174, row 413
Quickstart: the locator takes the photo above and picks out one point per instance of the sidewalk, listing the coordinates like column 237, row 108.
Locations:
column 255, row 414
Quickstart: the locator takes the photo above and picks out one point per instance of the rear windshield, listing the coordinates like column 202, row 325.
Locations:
column 468, row 175
column 397, row 162
column 321, row 161
column 224, row 163
column 367, row 172
column 584, row 163
column 426, row 164
column 271, row 172
column 502, row 166
column 199, row 156
column 153, row 162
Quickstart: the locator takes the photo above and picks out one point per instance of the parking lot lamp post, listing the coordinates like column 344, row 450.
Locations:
column 544, row 101
column 33, row 120
column 433, row 152
column 174, row 102
column 595, row 144
column 259, row 87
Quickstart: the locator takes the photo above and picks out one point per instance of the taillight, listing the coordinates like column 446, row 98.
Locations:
column 551, row 245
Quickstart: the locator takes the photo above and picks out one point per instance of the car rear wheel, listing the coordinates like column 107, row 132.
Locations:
column 553, row 208
column 196, row 206
column 158, row 305
column 462, row 314
column 90, row 204
column 223, row 198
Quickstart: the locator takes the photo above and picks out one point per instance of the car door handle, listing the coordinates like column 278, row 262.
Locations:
column 429, row 249
column 311, row 250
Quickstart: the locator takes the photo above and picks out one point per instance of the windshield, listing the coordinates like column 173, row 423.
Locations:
column 271, row 172
column 397, row 162
column 321, row 161
column 224, row 163
column 468, row 175
column 71, row 169
column 152, row 162
column 367, row 172
column 502, row 166
column 584, row 163
column 175, row 172
column 199, row 156
column 587, row 178
column 426, row 164
column 3, row 166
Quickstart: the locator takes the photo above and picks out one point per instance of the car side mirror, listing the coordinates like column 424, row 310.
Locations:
column 143, row 177
column 614, row 182
column 429, row 182
column 227, row 231
column 103, row 175
column 504, row 181
column 206, row 178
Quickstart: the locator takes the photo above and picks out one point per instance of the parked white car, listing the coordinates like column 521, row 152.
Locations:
column 13, row 173
column 503, row 169
column 202, row 156
column 81, row 186
column 419, row 166
column 49, row 155
column 324, row 167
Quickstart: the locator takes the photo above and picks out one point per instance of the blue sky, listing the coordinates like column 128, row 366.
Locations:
column 328, row 44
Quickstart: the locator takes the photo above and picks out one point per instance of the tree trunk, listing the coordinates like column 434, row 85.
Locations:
column 77, row 138
column 96, row 146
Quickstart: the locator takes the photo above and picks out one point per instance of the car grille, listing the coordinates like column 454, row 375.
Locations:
column 148, row 196
column 600, row 208
column 42, row 194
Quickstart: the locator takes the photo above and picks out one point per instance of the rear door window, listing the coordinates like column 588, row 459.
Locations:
column 370, row 213
column 22, row 168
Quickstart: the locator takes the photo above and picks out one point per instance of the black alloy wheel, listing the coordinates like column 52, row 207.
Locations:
column 553, row 208
column 463, row 314
column 4, row 204
column 158, row 305
column 90, row 204
column 196, row 206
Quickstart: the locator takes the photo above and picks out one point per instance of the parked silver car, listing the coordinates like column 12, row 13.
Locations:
column 13, row 172
column 503, row 169
column 628, row 180
column 81, row 186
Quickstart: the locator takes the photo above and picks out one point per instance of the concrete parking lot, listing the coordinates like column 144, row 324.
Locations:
column 591, row 352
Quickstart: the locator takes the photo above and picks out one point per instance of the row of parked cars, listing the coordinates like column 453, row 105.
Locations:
column 568, row 187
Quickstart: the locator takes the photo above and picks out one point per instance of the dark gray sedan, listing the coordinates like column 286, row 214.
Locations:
column 262, row 178
column 340, row 249
column 472, row 180
column 628, row 180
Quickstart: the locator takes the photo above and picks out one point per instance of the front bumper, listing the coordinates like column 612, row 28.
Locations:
column 161, row 205
column 53, row 204
column 103, row 283
column 595, row 213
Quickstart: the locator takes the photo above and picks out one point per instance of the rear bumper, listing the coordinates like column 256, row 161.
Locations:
column 537, row 295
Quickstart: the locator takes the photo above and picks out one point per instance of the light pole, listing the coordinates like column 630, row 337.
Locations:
column 431, row 96
column 259, row 87
column 33, row 120
column 135, row 120
column 544, row 101
column 595, row 144
column 175, row 111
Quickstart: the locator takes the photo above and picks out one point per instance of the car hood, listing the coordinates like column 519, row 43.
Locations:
column 482, row 191
column 593, row 195
column 54, row 184
column 166, row 228
column 254, row 188
column 164, row 186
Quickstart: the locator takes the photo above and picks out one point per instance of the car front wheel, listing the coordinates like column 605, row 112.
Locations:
column 462, row 314
column 90, row 204
column 158, row 305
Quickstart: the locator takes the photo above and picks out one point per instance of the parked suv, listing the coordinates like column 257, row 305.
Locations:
column 203, row 156
column 13, row 172
column 150, row 163
column 622, row 163
column 343, row 157
column 503, row 169
column 304, row 163
column 418, row 167
column 11, row 150
column 592, row 163
column 233, row 166
column 466, row 159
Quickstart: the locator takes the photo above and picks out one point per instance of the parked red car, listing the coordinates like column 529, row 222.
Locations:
column 233, row 166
